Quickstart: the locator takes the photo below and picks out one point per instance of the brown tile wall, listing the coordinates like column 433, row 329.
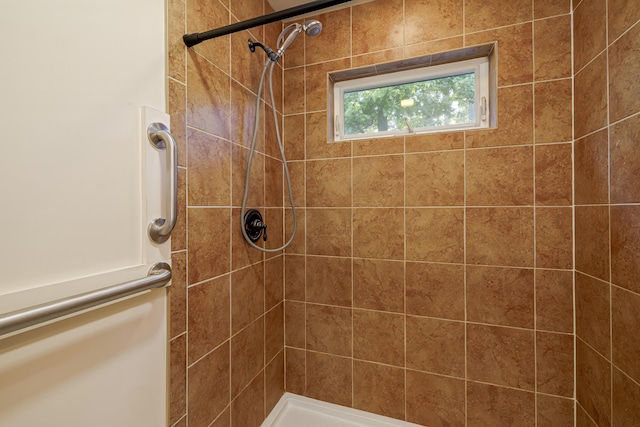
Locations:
column 432, row 280
column 226, row 300
column 431, row 277
column 607, row 212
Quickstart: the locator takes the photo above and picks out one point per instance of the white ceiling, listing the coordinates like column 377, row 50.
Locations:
column 285, row 4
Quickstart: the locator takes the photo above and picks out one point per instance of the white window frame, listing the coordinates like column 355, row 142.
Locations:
column 480, row 66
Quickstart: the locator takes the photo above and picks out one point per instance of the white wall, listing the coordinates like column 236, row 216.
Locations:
column 73, row 195
column 74, row 74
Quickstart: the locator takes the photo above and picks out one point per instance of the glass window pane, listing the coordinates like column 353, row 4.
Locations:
column 435, row 102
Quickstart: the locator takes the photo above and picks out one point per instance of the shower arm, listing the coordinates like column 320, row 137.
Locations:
column 195, row 38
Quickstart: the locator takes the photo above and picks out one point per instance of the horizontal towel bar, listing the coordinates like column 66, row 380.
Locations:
column 159, row 276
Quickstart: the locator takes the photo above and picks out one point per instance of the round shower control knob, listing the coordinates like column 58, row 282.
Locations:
column 254, row 226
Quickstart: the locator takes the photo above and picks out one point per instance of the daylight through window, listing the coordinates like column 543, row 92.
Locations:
column 430, row 99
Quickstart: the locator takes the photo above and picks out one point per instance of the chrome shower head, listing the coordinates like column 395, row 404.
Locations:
column 312, row 27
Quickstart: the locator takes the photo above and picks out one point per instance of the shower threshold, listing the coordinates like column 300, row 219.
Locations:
column 298, row 411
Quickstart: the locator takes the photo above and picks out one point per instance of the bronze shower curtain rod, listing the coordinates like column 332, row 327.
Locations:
column 195, row 38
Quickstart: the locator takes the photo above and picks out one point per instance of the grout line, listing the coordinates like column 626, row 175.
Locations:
column 306, row 130
column 186, row 226
column 183, row 417
column 573, row 217
column 404, row 263
column 608, row 99
column 535, row 218
column 585, row 412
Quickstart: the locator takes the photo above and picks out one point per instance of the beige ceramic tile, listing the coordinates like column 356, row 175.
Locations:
column 434, row 235
column 330, row 45
column 329, row 329
column 553, row 174
column 176, row 107
column 552, row 48
column 590, row 30
column 551, row 410
column 591, row 169
column 378, row 181
column 379, row 389
column 208, row 97
column 179, row 233
column 593, row 384
column 378, row 233
column 590, row 97
column 554, row 238
column 433, row 20
column 203, row 16
column 434, row 399
column 247, row 409
column 435, row 346
column 380, row 57
column 435, row 179
column 329, row 232
column 554, row 300
column 247, row 296
column 208, row 387
column 379, row 337
column 502, row 356
column 209, row 170
column 377, row 26
column 177, row 379
column 431, row 47
column 435, row 290
column 294, row 99
column 500, row 296
column 247, row 356
column 626, row 395
column 329, row 378
column 622, row 15
column 546, row 8
column 489, row 405
column 434, row 142
column 293, row 137
column 624, row 67
column 515, row 50
column 625, row 161
column 592, row 240
column 592, row 313
column 208, row 317
column 500, row 236
column 554, row 364
column 378, row 285
column 209, row 243
column 625, row 242
column 317, row 82
column 176, row 49
column 499, row 177
column 515, row 120
column 553, row 115
column 329, row 281
column 295, row 370
column 329, row 183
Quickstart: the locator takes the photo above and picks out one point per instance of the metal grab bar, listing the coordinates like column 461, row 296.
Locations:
column 160, row 228
column 159, row 276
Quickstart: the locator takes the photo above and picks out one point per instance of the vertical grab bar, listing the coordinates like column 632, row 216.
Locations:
column 160, row 228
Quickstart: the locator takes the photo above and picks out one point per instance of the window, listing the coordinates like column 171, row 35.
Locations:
column 451, row 96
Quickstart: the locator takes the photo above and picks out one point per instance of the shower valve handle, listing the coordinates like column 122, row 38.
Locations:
column 257, row 224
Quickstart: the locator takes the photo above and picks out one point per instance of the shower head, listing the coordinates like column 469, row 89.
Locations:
column 311, row 28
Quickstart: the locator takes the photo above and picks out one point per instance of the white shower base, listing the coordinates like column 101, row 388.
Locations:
column 298, row 411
